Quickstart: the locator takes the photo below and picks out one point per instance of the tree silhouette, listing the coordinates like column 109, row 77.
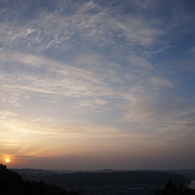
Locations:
column 173, row 189
column 12, row 184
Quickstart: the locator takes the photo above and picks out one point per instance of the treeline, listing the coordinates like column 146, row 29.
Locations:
column 175, row 189
column 12, row 184
column 96, row 179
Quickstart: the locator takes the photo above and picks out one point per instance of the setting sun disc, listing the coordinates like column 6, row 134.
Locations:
column 7, row 160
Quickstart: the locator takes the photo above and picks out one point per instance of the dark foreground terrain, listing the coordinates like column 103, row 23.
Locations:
column 11, row 183
column 39, row 182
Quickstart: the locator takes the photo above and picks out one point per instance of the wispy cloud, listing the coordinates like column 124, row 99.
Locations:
column 43, row 76
column 5, row 113
column 89, row 25
column 105, row 75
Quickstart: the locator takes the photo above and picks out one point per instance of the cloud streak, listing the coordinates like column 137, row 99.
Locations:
column 86, row 77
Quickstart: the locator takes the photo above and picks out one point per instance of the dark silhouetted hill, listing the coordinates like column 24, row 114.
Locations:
column 9, row 180
column 11, row 183
column 188, row 173
column 101, row 179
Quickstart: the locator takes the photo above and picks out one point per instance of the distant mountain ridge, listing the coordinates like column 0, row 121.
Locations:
column 189, row 173
column 105, row 177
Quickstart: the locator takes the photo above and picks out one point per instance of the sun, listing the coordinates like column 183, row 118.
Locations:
column 7, row 160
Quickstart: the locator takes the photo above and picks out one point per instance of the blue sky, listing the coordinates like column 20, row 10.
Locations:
column 95, row 84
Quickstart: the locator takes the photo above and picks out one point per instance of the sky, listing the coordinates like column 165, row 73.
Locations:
column 95, row 84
